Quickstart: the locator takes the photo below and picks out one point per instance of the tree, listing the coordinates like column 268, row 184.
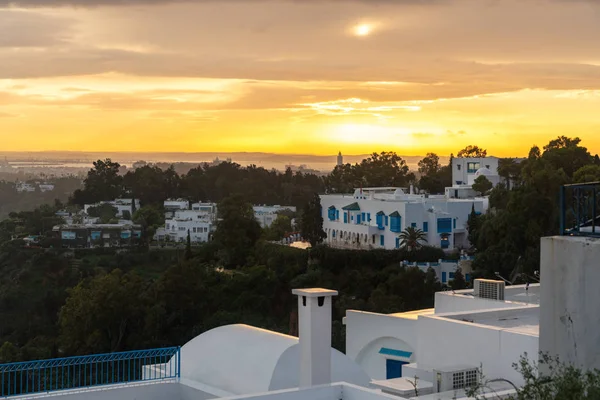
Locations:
column 412, row 238
column 105, row 212
column 311, row 223
column 103, row 314
column 508, row 169
column 279, row 227
column 472, row 152
column 237, row 230
column 587, row 173
column 434, row 177
column 430, row 165
column 482, row 185
column 473, row 225
column 103, row 182
column 459, row 281
column 566, row 154
column 188, row 246
column 150, row 219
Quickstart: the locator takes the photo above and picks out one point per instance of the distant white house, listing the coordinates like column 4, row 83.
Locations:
column 466, row 170
column 121, row 205
column 46, row 187
column 373, row 218
column 25, row 187
column 266, row 215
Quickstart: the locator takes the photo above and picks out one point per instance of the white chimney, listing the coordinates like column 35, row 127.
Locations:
column 412, row 189
column 314, row 328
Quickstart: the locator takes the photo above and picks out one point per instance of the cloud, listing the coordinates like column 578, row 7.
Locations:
column 29, row 29
column 93, row 3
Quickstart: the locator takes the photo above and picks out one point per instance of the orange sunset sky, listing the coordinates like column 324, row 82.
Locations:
column 306, row 76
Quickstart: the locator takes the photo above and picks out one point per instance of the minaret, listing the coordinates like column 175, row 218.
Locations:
column 340, row 159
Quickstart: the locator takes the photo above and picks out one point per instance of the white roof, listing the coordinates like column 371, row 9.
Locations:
column 242, row 359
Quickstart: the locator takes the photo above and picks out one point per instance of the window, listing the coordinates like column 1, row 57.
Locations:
column 386, row 220
column 194, row 230
column 413, row 224
column 458, row 166
column 472, row 167
column 444, row 242
column 363, row 217
column 345, row 217
column 369, row 217
column 425, row 226
column 337, row 215
column 444, row 280
column 395, row 222
column 397, row 243
column 380, row 219
column 331, row 213
column 381, row 240
column 451, row 275
column 454, row 223
column 444, row 225
column 358, row 219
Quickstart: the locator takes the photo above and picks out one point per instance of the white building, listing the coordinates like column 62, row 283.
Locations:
column 209, row 210
column 25, row 187
column 455, row 334
column 122, row 205
column 374, row 217
column 340, row 159
column 266, row 215
column 177, row 229
column 46, row 187
column 466, row 170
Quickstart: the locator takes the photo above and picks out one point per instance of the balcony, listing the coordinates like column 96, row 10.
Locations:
column 579, row 210
column 66, row 374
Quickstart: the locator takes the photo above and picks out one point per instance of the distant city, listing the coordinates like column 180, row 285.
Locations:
column 78, row 163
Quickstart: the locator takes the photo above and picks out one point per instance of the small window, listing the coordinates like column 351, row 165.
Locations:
column 458, row 166
column 413, row 224
column 425, row 226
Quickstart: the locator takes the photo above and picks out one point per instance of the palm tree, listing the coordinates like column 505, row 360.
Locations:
column 411, row 238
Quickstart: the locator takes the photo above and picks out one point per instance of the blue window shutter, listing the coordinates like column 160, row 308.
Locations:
column 454, row 223
column 363, row 216
column 444, row 225
column 413, row 224
column 443, row 277
column 425, row 226
column 397, row 243
column 382, row 240
column 369, row 217
column 358, row 219
column 345, row 217
column 386, row 220
column 468, row 277
column 337, row 214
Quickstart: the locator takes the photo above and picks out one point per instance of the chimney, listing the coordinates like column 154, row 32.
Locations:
column 314, row 320
column 412, row 189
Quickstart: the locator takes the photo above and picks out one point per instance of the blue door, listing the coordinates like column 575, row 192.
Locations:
column 443, row 277
column 393, row 368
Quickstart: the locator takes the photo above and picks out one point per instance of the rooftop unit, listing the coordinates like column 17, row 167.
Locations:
column 489, row 289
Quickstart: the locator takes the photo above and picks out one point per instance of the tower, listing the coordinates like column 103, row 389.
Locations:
column 340, row 159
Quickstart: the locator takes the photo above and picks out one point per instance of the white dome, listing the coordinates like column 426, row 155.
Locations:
column 484, row 171
column 241, row 359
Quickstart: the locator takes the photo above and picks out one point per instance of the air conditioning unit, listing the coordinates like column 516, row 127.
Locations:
column 489, row 289
column 455, row 378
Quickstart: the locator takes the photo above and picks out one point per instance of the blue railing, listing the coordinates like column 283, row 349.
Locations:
column 42, row 376
column 579, row 208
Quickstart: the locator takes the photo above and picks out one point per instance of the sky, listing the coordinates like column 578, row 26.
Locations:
column 298, row 76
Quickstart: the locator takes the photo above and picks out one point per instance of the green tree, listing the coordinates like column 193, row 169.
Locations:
column 472, row 152
column 188, row 246
column 430, row 164
column 482, row 185
column 105, row 314
column 566, row 154
column 459, row 281
column 473, row 225
column 105, row 212
column 279, row 227
column 587, row 173
column 508, row 169
column 237, row 230
column 103, row 182
column 150, row 219
column 311, row 223
column 412, row 238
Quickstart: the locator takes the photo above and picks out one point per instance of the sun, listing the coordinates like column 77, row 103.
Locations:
column 363, row 30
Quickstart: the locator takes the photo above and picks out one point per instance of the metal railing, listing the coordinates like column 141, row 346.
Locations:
column 42, row 376
column 579, row 209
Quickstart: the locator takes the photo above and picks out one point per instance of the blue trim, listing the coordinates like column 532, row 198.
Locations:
column 396, row 353
column 425, row 227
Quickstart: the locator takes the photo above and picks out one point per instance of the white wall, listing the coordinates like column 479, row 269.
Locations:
column 367, row 333
column 570, row 299
column 462, row 174
column 447, row 343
